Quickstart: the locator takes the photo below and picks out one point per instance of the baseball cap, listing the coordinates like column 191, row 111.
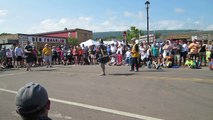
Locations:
column 101, row 41
column 31, row 98
column 46, row 45
column 133, row 39
column 136, row 41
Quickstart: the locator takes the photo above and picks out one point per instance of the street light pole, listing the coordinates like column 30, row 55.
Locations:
column 147, row 3
column 4, row 43
column 124, row 37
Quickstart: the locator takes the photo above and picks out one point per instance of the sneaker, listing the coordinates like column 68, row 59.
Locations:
column 103, row 74
column 158, row 67
column 3, row 67
column 136, row 70
column 131, row 70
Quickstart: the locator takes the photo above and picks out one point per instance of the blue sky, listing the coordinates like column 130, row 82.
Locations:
column 34, row 16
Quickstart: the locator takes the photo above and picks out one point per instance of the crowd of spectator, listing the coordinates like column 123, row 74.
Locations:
column 167, row 54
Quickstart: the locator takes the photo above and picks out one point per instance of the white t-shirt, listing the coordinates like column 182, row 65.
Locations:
column 142, row 49
column 209, row 47
column 119, row 50
column 9, row 54
column 144, row 55
column 18, row 52
column 128, row 54
column 184, row 48
column 113, row 49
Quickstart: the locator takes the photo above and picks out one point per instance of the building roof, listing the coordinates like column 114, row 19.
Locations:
column 10, row 36
column 178, row 36
column 40, row 35
column 15, row 37
column 62, row 31
column 204, row 35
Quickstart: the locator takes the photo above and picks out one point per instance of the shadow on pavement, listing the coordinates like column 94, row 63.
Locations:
column 122, row 74
column 45, row 70
column 8, row 69
column 153, row 70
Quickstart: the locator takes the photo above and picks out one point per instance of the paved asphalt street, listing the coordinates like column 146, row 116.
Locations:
column 79, row 93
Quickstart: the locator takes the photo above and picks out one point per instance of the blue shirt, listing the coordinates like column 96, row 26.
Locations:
column 155, row 51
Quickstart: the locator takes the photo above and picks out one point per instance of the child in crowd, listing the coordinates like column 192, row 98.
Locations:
column 193, row 64
column 208, row 55
column 9, row 56
column 128, row 57
column 144, row 57
column 119, row 58
column 190, row 63
column 168, row 61
column 119, row 55
column 39, row 55
column 149, row 63
column 211, row 65
column 211, row 62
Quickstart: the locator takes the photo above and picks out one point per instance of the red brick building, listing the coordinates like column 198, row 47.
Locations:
column 35, row 40
column 80, row 34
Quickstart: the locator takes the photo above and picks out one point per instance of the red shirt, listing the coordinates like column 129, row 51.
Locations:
column 80, row 52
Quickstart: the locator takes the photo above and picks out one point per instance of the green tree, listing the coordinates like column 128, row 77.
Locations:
column 119, row 37
column 72, row 41
column 157, row 35
column 5, row 34
column 133, row 32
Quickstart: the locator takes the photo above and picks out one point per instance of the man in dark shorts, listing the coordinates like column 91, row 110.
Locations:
column 29, row 55
column 102, row 56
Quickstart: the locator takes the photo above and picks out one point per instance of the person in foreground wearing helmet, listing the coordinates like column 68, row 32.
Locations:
column 32, row 102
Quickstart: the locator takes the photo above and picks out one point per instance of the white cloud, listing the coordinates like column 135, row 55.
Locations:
column 110, row 24
column 113, row 23
column 188, row 23
column 169, row 25
column 128, row 14
column 53, row 25
column 3, row 12
column 137, row 15
column 86, row 19
column 63, row 21
column 210, row 27
column 178, row 10
column 106, row 23
column 88, row 23
column 197, row 22
column 1, row 21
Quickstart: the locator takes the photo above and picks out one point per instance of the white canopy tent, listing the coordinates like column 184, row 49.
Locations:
column 113, row 42
column 89, row 42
